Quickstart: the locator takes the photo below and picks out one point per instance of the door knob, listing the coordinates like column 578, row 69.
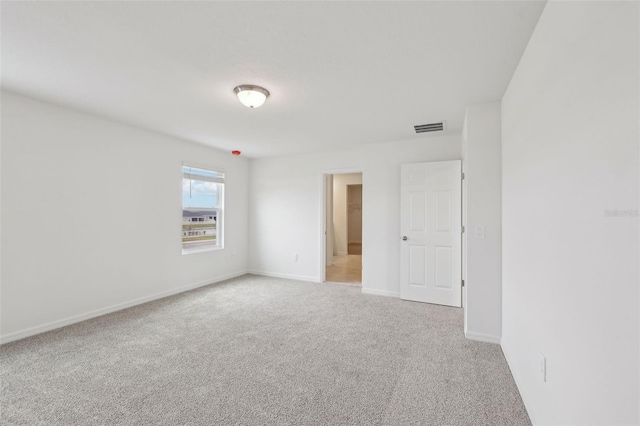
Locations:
column 404, row 238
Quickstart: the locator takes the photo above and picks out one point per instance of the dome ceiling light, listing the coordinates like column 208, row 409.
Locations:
column 250, row 95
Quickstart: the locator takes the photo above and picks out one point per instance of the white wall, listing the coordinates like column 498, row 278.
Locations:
column 482, row 217
column 286, row 204
column 74, row 190
column 286, row 196
column 340, row 182
column 570, row 273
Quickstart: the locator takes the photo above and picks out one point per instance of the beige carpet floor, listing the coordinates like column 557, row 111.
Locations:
column 261, row 351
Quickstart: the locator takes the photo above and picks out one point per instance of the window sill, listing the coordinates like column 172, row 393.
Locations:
column 200, row 250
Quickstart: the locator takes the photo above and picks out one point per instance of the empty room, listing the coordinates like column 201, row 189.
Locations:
column 320, row 213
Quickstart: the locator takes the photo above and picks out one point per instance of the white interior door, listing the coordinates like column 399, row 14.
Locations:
column 431, row 216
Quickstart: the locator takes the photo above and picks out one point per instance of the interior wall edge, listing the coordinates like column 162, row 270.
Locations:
column 285, row 276
column 54, row 325
column 109, row 119
column 482, row 337
column 516, row 378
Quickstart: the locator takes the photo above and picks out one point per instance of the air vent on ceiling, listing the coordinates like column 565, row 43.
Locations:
column 431, row 127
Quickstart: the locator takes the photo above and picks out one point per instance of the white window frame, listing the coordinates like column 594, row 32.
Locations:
column 219, row 209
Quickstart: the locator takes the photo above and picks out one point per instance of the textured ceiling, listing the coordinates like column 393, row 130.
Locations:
column 340, row 73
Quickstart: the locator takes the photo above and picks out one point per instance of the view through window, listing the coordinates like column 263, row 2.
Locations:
column 202, row 200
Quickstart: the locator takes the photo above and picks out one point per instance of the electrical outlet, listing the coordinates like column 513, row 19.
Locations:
column 542, row 366
column 294, row 257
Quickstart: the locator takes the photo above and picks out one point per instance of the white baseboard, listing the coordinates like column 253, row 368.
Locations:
column 381, row 292
column 481, row 337
column 517, row 379
column 31, row 331
column 285, row 276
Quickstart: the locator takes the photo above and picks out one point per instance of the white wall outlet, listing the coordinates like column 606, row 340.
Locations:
column 294, row 257
column 542, row 366
column 479, row 232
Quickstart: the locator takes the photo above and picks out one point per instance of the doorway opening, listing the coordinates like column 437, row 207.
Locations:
column 343, row 228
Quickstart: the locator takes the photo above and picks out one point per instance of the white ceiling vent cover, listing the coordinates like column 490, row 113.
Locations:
column 431, row 127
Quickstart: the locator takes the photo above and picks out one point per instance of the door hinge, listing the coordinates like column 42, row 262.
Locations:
column 462, row 176
column 463, row 229
column 462, row 283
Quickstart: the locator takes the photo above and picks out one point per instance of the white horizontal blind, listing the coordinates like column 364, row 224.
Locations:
column 193, row 173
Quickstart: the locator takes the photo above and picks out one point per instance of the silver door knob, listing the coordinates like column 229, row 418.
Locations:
column 404, row 238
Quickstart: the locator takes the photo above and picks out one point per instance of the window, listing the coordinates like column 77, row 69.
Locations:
column 202, row 216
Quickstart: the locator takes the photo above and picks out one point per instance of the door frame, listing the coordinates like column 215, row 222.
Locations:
column 322, row 261
column 463, row 241
column 348, row 224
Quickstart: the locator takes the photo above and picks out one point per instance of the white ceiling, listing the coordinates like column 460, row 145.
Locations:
column 340, row 73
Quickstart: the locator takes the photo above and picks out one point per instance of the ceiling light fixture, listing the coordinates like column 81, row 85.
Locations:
column 250, row 95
